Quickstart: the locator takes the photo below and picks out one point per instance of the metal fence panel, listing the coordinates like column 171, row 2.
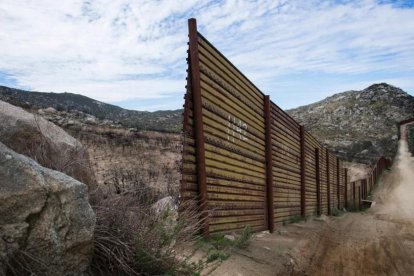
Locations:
column 245, row 160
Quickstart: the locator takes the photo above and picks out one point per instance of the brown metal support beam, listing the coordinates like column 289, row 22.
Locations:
column 302, row 173
column 346, row 188
column 354, row 195
column 198, row 124
column 328, row 183
column 318, row 182
column 269, row 165
column 338, row 186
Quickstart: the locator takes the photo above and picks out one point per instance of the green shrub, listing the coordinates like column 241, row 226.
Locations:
column 219, row 247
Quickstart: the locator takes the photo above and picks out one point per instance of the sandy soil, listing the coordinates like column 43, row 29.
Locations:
column 379, row 241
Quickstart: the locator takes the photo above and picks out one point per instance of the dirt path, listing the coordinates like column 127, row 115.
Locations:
column 379, row 241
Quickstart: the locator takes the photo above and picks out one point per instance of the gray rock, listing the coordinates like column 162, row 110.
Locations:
column 321, row 218
column 44, row 214
column 230, row 237
column 50, row 110
column 165, row 204
column 44, row 142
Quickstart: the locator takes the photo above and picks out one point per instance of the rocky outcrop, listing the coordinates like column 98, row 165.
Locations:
column 46, row 222
column 44, row 142
column 358, row 125
column 75, row 120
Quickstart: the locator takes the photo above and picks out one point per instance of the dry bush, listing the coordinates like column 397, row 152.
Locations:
column 135, row 170
column 24, row 263
column 133, row 238
column 135, row 159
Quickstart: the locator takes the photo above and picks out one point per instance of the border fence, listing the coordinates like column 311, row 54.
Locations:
column 409, row 124
column 245, row 160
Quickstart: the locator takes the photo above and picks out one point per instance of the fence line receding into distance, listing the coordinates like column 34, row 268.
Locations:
column 245, row 160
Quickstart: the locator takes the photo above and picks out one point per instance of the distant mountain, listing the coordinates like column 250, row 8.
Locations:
column 358, row 125
column 167, row 121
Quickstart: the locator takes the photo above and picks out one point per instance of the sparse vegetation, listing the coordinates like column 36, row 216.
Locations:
column 219, row 247
column 337, row 212
column 134, row 235
column 295, row 219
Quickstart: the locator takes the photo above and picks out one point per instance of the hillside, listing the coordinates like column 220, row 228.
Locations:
column 167, row 121
column 358, row 125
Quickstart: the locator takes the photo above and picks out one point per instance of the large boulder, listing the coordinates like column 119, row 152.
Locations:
column 44, row 142
column 46, row 221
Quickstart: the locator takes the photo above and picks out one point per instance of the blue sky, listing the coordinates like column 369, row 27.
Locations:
column 132, row 53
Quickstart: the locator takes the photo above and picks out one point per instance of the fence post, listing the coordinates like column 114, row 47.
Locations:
column 364, row 196
column 346, row 188
column 359, row 196
column 328, row 184
column 198, row 123
column 338, row 195
column 354, row 195
column 318, row 182
column 269, row 165
column 302, row 172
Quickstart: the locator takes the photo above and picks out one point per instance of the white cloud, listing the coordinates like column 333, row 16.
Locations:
column 116, row 50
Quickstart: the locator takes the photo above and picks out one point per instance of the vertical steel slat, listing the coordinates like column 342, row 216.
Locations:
column 318, row 182
column 198, row 123
column 359, row 197
column 346, row 188
column 338, row 180
column 365, row 189
column 269, row 165
column 302, row 173
column 354, row 195
column 328, row 183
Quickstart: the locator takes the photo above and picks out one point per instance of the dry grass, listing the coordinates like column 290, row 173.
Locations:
column 25, row 263
column 133, row 238
column 124, row 159
column 135, row 170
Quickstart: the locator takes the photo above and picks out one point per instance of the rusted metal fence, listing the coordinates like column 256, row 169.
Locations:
column 360, row 190
column 409, row 124
column 410, row 138
column 245, row 160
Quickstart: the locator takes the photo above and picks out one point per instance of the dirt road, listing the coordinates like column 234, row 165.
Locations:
column 379, row 241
